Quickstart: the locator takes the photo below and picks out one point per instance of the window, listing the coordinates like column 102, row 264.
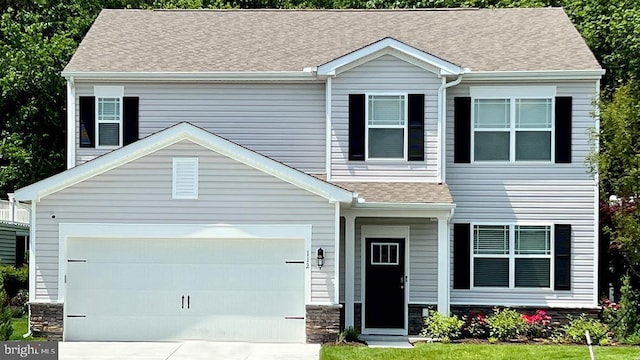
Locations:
column 108, row 115
column 512, row 124
column 384, row 253
column 386, row 126
column 511, row 256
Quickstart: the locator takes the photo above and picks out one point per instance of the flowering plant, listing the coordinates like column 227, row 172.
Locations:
column 608, row 304
column 539, row 324
column 476, row 325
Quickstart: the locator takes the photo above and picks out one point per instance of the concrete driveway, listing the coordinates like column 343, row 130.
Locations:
column 186, row 350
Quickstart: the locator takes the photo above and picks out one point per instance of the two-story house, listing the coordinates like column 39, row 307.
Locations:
column 272, row 175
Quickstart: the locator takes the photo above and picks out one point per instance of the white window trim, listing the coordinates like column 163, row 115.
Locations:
column 512, row 257
column 512, row 93
column 194, row 161
column 405, row 126
column 101, row 92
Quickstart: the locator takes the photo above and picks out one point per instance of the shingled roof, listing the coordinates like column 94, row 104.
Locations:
column 291, row 40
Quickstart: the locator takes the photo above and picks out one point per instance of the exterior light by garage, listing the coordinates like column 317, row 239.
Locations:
column 320, row 258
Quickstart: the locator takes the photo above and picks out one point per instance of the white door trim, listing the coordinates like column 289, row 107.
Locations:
column 198, row 231
column 384, row 231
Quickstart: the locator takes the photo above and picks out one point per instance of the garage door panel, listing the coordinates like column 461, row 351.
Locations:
column 113, row 328
column 236, row 289
column 243, row 328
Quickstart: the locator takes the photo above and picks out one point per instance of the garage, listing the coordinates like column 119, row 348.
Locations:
column 153, row 289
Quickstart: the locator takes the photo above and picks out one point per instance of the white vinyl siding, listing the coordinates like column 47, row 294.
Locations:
column 139, row 192
column 423, row 267
column 283, row 121
column 533, row 192
column 384, row 75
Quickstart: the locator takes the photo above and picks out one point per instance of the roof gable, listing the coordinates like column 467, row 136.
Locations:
column 392, row 47
column 285, row 41
column 172, row 135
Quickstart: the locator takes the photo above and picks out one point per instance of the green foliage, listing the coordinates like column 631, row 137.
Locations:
column 623, row 317
column 14, row 279
column 350, row 334
column 507, row 324
column 575, row 330
column 6, row 327
column 492, row 340
column 439, row 326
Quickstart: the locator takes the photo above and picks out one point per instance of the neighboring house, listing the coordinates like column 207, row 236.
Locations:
column 14, row 232
column 277, row 175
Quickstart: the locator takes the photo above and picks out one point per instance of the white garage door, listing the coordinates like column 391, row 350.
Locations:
column 164, row 289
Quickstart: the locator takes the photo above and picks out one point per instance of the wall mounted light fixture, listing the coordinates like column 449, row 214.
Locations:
column 320, row 258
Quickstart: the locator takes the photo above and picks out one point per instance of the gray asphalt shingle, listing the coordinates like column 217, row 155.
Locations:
column 290, row 40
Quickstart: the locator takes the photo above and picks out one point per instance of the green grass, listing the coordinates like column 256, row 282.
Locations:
column 20, row 326
column 480, row 351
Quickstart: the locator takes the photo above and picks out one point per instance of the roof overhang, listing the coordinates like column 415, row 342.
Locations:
column 172, row 135
column 307, row 74
column 594, row 74
column 389, row 45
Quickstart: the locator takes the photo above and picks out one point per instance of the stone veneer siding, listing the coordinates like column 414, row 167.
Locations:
column 323, row 323
column 46, row 320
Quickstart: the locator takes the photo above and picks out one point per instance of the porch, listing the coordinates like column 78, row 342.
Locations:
column 395, row 257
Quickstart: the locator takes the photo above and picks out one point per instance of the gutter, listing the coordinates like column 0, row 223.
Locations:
column 594, row 74
column 442, row 125
column 307, row 75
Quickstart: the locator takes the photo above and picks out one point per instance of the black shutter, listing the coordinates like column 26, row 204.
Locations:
column 87, row 121
column 356, row 126
column 461, row 256
column 562, row 254
column 130, row 119
column 415, row 146
column 563, row 129
column 462, row 129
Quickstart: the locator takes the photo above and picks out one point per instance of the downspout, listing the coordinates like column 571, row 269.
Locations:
column 71, row 122
column 31, row 259
column 327, row 110
column 442, row 125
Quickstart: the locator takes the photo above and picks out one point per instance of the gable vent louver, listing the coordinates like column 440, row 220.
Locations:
column 185, row 178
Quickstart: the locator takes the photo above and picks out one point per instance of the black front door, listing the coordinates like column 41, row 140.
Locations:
column 384, row 285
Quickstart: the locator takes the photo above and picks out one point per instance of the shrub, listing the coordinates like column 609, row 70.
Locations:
column 440, row 326
column 476, row 325
column 506, row 324
column 5, row 318
column 492, row 340
column 350, row 334
column 623, row 318
column 539, row 324
column 575, row 330
column 14, row 279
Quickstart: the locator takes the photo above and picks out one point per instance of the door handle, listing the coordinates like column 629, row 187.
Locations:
column 189, row 302
column 183, row 301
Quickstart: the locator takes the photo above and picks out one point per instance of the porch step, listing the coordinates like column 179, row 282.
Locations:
column 387, row 341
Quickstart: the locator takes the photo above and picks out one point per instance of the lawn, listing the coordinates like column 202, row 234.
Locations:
column 20, row 328
column 479, row 351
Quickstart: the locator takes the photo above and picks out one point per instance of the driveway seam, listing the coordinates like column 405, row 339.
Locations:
column 174, row 351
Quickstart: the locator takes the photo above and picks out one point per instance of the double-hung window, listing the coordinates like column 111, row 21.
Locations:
column 386, row 132
column 512, row 256
column 108, row 115
column 512, row 124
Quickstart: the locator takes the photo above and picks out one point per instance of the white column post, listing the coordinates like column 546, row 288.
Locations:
column 443, row 265
column 12, row 208
column 349, row 268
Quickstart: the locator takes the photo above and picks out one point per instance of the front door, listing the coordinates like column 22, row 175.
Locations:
column 384, row 285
